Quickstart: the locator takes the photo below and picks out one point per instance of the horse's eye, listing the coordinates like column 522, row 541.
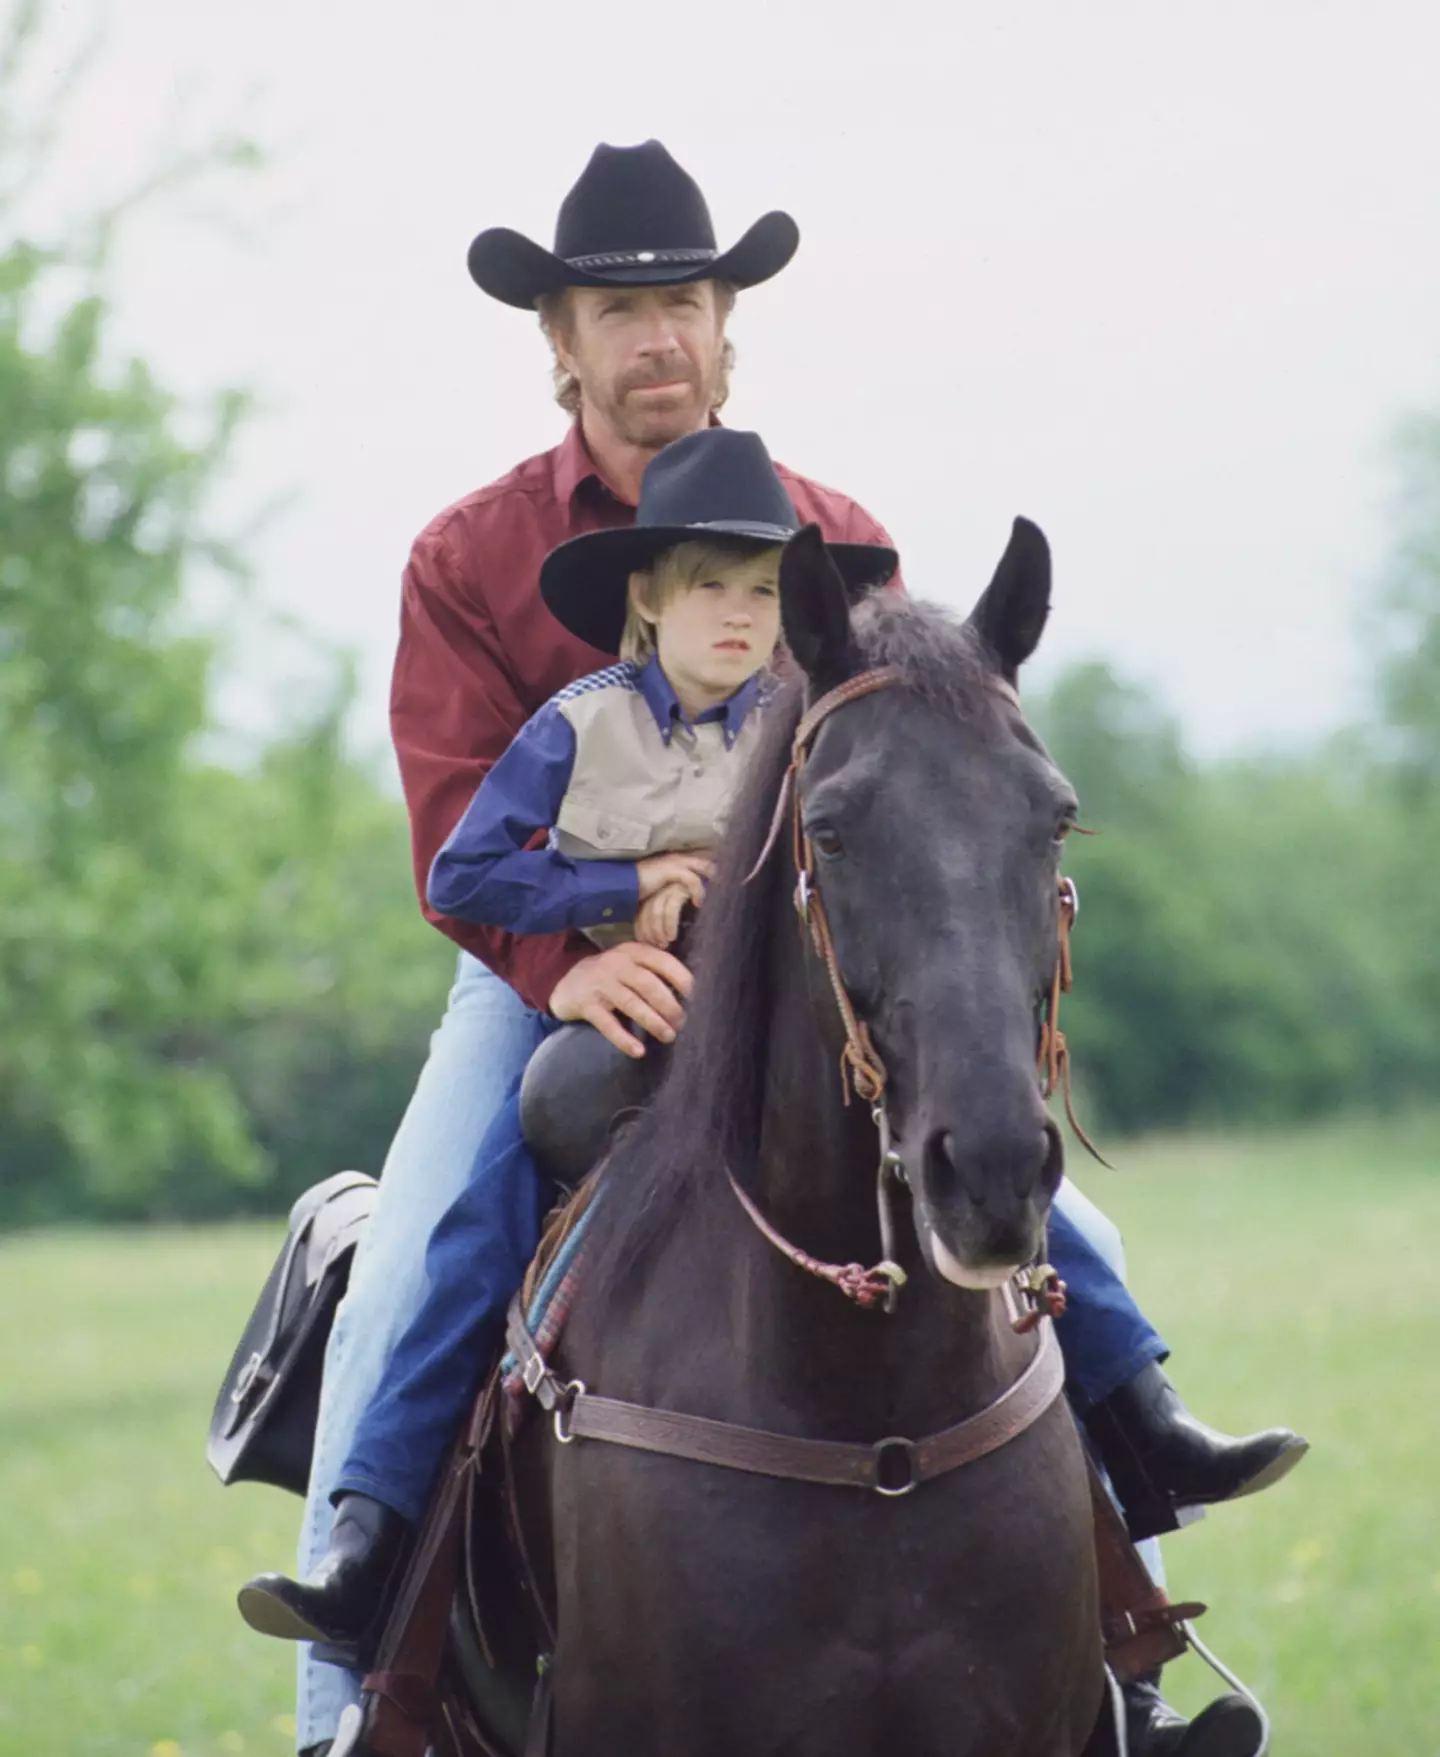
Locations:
column 826, row 842
column 1064, row 826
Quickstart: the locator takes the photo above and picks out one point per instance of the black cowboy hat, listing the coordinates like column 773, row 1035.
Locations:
column 635, row 218
column 717, row 484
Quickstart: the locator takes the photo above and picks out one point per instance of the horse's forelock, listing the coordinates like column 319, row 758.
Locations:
column 939, row 656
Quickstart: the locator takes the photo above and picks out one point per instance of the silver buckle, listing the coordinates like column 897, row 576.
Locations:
column 246, row 1379
column 566, row 1402
column 534, row 1373
column 895, row 1442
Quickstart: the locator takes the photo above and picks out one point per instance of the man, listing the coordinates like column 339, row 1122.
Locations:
column 634, row 300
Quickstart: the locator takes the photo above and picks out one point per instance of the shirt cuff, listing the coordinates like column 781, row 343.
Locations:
column 607, row 893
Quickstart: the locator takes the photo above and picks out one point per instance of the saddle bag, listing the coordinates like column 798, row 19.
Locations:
column 263, row 1425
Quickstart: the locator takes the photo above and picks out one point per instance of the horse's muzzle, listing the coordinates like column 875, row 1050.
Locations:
column 981, row 1204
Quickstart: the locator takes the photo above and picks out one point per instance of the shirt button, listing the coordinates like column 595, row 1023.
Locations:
column 698, row 772
column 606, row 913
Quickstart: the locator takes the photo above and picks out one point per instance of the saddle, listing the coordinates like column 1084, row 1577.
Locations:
column 577, row 1091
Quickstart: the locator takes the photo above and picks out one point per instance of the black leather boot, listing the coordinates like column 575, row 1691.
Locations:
column 1229, row 1727
column 1160, row 1459
column 343, row 1600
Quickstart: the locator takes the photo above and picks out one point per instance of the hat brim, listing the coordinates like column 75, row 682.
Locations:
column 517, row 271
column 586, row 582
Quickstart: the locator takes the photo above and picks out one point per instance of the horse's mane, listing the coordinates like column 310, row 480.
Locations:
column 706, row 1115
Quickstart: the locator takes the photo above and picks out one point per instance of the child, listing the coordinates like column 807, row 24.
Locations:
column 631, row 771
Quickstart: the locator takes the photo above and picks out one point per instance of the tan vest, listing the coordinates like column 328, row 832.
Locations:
column 631, row 793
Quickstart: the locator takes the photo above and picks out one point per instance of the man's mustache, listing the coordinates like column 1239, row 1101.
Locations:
column 677, row 371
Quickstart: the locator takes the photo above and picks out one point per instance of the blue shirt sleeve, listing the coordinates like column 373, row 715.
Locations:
column 486, row 874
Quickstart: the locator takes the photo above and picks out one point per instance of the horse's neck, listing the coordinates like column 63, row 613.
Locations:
column 943, row 1353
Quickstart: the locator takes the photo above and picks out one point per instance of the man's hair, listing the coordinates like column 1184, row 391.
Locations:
column 554, row 309
column 679, row 570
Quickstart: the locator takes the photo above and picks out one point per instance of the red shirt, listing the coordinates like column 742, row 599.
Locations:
column 479, row 654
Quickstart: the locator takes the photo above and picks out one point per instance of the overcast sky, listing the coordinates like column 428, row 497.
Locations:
column 1161, row 276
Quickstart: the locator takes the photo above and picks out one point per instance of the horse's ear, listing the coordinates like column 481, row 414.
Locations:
column 1010, row 616
column 815, row 612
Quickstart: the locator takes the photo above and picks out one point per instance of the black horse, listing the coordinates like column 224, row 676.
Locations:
column 704, row 1611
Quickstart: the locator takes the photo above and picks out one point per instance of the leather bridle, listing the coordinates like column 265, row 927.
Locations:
column 861, row 1066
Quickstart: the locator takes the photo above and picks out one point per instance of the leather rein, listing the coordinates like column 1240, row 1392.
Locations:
column 895, row 1465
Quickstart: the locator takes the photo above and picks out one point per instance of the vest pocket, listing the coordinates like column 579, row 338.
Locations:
column 608, row 832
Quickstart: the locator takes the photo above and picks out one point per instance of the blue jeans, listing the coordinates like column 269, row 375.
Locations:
column 1075, row 1221
column 1104, row 1335
column 476, row 1058
column 476, row 1260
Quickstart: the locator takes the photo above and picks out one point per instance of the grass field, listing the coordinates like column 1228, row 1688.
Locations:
column 1291, row 1276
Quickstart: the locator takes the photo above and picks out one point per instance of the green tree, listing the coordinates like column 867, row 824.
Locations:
column 214, row 983
column 1247, row 943
column 210, row 980
column 104, row 962
column 335, row 980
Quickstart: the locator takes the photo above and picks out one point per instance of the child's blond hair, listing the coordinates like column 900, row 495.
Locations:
column 679, row 570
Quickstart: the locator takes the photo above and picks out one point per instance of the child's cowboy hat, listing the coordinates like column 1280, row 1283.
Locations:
column 717, row 484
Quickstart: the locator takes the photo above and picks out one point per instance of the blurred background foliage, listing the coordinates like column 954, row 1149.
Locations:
column 213, row 978
column 215, row 987
column 1256, row 939
column 207, row 972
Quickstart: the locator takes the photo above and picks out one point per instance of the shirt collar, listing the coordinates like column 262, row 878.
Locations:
column 664, row 704
column 574, row 465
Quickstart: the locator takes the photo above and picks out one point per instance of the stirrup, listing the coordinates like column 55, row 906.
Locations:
column 1222, row 1671
column 1216, row 1665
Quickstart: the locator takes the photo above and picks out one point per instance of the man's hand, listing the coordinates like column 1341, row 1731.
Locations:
column 644, row 983
column 657, row 922
column 688, row 870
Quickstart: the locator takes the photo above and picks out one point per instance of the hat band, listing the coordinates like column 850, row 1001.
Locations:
column 634, row 258
column 745, row 528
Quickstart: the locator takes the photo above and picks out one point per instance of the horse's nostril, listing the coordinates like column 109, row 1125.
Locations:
column 942, row 1179
column 1053, row 1170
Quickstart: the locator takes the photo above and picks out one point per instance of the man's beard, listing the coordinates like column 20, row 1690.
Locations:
column 656, row 427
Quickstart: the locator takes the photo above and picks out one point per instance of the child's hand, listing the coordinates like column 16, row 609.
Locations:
column 690, row 871
column 657, row 923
